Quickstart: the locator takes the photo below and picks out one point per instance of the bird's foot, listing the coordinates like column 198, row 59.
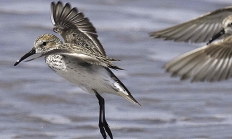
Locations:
column 104, row 128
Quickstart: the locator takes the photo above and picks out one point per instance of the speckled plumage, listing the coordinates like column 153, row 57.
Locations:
column 82, row 66
column 80, row 59
column 74, row 27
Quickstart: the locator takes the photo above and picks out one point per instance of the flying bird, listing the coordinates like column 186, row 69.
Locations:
column 81, row 59
column 211, row 62
column 205, row 28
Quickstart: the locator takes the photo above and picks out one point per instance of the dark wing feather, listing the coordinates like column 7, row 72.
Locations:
column 74, row 27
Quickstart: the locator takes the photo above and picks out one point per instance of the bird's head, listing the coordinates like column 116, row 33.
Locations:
column 43, row 44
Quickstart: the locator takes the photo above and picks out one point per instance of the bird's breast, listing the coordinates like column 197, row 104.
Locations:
column 84, row 75
column 56, row 62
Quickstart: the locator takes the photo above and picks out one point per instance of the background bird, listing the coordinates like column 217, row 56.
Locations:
column 201, row 29
column 211, row 62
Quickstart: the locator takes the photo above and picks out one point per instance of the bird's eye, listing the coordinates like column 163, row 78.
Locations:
column 44, row 43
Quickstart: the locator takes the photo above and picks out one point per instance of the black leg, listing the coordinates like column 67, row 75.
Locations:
column 103, row 125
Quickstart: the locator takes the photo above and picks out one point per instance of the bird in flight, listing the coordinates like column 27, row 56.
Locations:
column 80, row 59
column 205, row 28
column 211, row 62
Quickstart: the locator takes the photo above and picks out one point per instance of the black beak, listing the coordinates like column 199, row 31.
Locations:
column 32, row 52
column 219, row 34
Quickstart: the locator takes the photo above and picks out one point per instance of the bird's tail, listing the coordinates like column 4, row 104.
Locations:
column 122, row 90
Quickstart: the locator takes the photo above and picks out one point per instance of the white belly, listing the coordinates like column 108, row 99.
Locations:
column 86, row 76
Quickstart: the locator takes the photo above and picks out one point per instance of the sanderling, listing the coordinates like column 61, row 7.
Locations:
column 81, row 59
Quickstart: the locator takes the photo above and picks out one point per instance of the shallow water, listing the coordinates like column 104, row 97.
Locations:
column 37, row 103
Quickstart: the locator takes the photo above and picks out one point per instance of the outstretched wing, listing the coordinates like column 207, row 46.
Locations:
column 212, row 62
column 198, row 30
column 74, row 27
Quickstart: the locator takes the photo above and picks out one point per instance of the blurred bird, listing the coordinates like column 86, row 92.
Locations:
column 208, row 63
column 205, row 28
column 211, row 62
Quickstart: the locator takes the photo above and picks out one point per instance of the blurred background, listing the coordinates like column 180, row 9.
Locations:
column 36, row 103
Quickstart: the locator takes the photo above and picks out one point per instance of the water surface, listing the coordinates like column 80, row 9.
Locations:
column 36, row 103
